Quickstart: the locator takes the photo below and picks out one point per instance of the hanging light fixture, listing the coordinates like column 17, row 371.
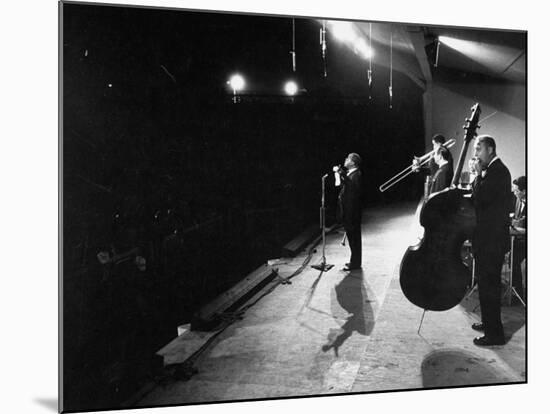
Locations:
column 437, row 52
column 323, row 41
column 369, row 72
column 293, row 51
column 390, row 88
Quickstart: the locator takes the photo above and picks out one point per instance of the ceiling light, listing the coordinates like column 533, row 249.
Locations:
column 236, row 82
column 343, row 31
column 291, row 88
column 362, row 48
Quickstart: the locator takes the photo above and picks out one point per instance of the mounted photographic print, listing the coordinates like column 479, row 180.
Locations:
column 260, row 207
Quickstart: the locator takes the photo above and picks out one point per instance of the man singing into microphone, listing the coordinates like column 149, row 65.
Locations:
column 350, row 208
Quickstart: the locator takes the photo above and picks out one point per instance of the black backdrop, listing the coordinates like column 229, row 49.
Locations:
column 157, row 157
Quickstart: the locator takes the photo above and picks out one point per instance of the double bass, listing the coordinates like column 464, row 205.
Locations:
column 432, row 274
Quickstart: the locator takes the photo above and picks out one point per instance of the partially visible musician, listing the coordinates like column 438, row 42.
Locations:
column 519, row 188
column 518, row 229
column 472, row 171
column 437, row 141
column 467, row 177
column 431, row 168
column 491, row 197
column 444, row 175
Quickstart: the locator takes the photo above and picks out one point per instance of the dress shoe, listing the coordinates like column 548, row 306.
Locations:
column 478, row 327
column 488, row 341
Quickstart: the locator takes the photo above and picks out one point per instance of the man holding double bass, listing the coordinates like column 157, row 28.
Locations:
column 490, row 194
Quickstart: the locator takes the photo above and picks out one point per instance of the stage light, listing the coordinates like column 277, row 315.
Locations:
column 450, row 41
column 437, row 52
column 467, row 47
column 291, row 88
column 484, row 54
column 362, row 48
column 343, row 31
column 236, row 82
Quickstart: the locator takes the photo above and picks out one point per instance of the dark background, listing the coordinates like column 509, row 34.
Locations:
column 156, row 156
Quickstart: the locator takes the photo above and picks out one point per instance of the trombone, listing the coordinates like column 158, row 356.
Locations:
column 411, row 168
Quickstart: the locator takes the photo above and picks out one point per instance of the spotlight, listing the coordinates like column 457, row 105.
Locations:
column 343, row 31
column 437, row 52
column 432, row 50
column 291, row 88
column 236, row 82
column 362, row 48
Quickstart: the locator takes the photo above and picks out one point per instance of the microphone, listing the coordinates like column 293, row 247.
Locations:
column 337, row 170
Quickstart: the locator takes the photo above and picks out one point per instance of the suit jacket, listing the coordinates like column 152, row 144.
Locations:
column 432, row 167
column 442, row 178
column 520, row 213
column 490, row 195
column 350, row 199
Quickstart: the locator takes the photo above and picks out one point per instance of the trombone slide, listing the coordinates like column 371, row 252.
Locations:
column 411, row 168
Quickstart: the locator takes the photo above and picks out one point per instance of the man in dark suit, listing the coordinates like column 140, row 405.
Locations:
column 519, row 188
column 350, row 207
column 444, row 175
column 431, row 168
column 518, row 230
column 490, row 194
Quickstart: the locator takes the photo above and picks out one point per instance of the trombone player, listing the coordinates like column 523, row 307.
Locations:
column 430, row 170
column 418, row 164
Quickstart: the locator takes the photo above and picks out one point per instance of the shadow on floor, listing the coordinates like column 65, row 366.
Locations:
column 456, row 367
column 351, row 295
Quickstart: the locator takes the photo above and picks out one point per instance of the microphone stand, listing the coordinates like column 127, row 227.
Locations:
column 323, row 266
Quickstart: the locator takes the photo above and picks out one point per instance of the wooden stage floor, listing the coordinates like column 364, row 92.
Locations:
column 339, row 332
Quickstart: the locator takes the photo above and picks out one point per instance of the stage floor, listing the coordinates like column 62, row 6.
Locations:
column 339, row 332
